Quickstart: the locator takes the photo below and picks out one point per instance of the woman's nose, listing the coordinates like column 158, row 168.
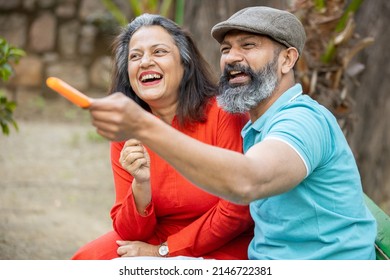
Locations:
column 146, row 61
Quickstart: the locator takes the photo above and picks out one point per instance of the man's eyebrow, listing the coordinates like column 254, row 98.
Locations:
column 249, row 36
column 241, row 38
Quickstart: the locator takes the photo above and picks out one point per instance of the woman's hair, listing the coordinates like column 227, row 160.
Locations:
column 197, row 85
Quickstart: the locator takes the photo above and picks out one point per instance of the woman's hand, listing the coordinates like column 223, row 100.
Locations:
column 135, row 159
column 136, row 248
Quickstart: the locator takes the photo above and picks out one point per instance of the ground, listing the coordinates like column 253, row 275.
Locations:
column 55, row 181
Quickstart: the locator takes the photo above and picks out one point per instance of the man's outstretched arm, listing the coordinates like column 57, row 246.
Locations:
column 268, row 168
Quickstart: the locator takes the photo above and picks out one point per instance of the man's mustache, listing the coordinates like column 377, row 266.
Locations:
column 237, row 68
column 226, row 75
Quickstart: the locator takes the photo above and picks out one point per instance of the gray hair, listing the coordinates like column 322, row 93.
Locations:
column 172, row 28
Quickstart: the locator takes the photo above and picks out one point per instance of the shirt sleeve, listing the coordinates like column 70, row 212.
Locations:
column 306, row 130
column 127, row 222
column 225, row 221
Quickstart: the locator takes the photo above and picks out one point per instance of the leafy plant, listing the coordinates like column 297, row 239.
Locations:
column 6, row 115
column 326, row 65
column 8, row 54
column 162, row 7
column 343, row 30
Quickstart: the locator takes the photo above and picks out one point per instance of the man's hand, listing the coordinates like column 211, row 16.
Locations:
column 116, row 117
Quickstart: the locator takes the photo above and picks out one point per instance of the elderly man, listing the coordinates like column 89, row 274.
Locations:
column 297, row 172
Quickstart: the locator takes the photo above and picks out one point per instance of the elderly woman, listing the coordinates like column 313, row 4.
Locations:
column 158, row 212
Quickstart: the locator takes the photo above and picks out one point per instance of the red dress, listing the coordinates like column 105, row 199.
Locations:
column 192, row 221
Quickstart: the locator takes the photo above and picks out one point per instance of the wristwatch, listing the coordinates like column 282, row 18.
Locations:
column 163, row 250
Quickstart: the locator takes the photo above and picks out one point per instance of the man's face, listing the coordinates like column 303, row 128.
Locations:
column 249, row 65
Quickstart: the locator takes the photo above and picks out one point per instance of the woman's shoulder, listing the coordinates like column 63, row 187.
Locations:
column 216, row 111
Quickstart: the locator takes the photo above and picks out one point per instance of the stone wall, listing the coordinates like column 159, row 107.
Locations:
column 69, row 39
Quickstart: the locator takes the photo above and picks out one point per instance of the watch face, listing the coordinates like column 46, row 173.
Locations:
column 163, row 250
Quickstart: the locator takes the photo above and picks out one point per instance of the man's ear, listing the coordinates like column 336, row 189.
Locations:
column 290, row 57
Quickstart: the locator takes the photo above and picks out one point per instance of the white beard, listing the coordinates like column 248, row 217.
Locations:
column 242, row 98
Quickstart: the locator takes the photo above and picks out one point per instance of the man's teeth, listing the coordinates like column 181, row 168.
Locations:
column 234, row 72
column 150, row 77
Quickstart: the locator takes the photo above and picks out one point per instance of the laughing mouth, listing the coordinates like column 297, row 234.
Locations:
column 237, row 76
column 150, row 77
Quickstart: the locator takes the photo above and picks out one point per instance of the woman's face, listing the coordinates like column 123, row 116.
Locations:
column 154, row 67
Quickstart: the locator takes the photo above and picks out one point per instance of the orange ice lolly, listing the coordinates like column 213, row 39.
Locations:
column 69, row 92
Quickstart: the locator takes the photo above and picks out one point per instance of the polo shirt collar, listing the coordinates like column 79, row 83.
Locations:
column 286, row 97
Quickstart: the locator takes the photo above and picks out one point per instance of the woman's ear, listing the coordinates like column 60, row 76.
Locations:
column 290, row 56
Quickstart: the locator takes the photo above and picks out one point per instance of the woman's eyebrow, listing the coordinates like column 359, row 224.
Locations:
column 152, row 46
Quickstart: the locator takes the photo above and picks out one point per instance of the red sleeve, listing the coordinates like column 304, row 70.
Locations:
column 225, row 221
column 221, row 224
column 127, row 222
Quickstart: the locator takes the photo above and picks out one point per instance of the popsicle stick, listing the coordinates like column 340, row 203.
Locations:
column 69, row 92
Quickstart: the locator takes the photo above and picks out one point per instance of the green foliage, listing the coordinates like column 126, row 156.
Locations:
column 342, row 24
column 319, row 5
column 115, row 12
column 162, row 7
column 179, row 12
column 353, row 6
column 6, row 115
column 8, row 54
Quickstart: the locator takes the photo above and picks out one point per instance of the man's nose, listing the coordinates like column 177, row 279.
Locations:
column 233, row 57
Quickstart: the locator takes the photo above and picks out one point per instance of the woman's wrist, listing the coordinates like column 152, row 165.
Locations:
column 142, row 196
column 163, row 250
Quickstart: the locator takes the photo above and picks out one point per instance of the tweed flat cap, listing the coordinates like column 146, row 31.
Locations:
column 282, row 26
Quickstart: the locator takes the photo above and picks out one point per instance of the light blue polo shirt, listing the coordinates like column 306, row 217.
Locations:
column 324, row 217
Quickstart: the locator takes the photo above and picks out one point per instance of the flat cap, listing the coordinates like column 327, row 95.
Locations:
column 282, row 26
